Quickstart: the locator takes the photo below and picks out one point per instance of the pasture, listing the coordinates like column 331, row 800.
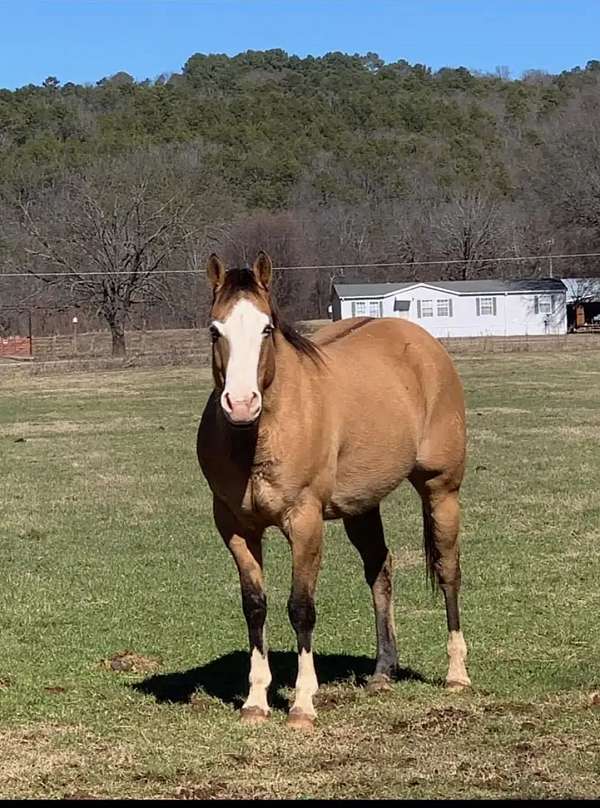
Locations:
column 107, row 545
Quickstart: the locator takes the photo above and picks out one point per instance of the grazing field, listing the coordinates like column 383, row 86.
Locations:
column 107, row 546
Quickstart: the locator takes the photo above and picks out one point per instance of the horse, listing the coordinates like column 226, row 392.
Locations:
column 299, row 431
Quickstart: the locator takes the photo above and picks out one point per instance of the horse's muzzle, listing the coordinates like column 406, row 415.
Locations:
column 242, row 411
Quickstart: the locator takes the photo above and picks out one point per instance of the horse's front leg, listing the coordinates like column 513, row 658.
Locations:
column 245, row 546
column 305, row 535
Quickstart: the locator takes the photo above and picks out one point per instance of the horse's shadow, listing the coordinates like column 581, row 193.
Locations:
column 226, row 678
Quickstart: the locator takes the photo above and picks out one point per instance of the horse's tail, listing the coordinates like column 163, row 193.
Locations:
column 431, row 552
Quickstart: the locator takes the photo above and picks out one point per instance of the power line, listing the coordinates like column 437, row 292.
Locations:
column 447, row 261
column 364, row 265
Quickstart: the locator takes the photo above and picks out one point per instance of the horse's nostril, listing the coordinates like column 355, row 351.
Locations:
column 255, row 403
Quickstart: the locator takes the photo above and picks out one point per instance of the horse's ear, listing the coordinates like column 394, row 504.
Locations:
column 263, row 269
column 215, row 271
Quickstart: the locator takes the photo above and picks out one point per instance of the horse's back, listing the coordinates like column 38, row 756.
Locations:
column 396, row 332
column 385, row 343
column 401, row 391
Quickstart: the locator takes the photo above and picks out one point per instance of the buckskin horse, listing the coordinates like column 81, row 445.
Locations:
column 299, row 431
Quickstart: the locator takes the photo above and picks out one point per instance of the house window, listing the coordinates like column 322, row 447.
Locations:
column 401, row 305
column 486, row 306
column 444, row 307
column 425, row 308
column 374, row 308
column 359, row 308
column 544, row 304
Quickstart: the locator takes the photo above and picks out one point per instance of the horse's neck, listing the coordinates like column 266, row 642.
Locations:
column 280, row 396
column 284, row 400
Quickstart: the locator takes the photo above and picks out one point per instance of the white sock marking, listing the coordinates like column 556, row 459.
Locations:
column 457, row 655
column 260, row 679
column 306, row 684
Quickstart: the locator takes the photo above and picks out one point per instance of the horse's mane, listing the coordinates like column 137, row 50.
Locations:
column 244, row 280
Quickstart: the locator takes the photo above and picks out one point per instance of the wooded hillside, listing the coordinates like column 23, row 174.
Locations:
column 330, row 160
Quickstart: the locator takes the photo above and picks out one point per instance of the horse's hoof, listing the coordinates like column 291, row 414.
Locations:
column 456, row 686
column 378, row 683
column 297, row 719
column 253, row 715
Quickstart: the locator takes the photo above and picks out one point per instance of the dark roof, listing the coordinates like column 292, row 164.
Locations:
column 369, row 289
column 456, row 287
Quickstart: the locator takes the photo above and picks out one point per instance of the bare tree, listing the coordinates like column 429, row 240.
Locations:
column 104, row 247
column 468, row 227
column 282, row 234
column 582, row 290
column 569, row 195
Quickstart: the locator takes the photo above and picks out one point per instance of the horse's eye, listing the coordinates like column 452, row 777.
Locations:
column 214, row 333
column 267, row 330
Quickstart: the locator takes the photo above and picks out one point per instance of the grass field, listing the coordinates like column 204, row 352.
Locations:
column 107, row 545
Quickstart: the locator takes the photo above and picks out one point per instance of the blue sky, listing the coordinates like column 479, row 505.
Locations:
column 84, row 40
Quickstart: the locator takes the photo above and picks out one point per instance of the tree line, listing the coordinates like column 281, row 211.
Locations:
column 112, row 195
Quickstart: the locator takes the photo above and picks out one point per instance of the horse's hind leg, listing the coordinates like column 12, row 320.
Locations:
column 245, row 547
column 366, row 534
column 441, row 518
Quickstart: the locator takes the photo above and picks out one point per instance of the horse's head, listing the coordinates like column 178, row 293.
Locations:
column 242, row 330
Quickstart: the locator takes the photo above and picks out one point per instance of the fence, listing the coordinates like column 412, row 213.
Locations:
column 99, row 344
column 196, row 342
column 184, row 341
column 564, row 342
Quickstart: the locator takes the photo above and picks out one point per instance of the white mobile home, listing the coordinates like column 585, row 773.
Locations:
column 461, row 308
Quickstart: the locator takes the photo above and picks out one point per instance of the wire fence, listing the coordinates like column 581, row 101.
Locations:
column 194, row 344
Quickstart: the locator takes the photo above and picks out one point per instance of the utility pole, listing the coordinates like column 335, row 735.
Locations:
column 551, row 243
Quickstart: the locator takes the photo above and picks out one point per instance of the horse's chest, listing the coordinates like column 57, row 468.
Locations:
column 263, row 494
column 253, row 495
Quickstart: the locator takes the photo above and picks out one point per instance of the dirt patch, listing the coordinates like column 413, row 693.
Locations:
column 445, row 720
column 330, row 697
column 131, row 662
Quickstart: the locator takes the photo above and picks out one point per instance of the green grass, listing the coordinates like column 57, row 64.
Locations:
column 107, row 544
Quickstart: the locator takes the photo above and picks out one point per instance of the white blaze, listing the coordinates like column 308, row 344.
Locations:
column 243, row 330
